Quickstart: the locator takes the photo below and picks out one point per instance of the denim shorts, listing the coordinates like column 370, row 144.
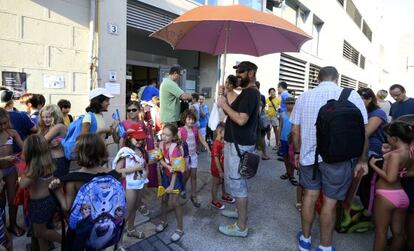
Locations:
column 334, row 179
column 235, row 184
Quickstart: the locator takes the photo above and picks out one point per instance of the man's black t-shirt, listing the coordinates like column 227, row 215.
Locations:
column 247, row 102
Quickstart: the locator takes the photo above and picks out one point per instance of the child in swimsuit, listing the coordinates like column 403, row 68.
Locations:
column 391, row 201
column 52, row 127
column 7, row 159
column 38, row 175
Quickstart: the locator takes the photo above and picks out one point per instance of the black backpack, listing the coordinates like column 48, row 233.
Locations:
column 340, row 131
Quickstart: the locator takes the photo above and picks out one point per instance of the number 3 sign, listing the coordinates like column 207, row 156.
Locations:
column 113, row 29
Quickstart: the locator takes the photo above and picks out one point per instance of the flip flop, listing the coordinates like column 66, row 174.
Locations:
column 265, row 158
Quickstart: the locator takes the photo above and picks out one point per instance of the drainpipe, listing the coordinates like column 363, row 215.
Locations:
column 91, row 43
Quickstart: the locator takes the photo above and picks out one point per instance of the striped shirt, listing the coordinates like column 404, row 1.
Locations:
column 306, row 111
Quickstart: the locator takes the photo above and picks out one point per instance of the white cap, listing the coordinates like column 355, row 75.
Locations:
column 100, row 91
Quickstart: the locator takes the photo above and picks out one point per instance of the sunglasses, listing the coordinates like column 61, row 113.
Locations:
column 132, row 110
column 240, row 71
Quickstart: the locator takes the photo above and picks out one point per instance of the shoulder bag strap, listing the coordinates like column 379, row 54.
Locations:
column 274, row 107
column 234, row 140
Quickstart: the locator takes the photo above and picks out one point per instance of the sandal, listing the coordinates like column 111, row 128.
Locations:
column 299, row 206
column 16, row 231
column 284, row 176
column 144, row 210
column 136, row 234
column 265, row 157
column 293, row 181
column 160, row 227
column 195, row 202
column 176, row 236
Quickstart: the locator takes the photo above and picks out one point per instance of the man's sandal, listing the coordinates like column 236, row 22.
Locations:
column 136, row 234
column 176, row 236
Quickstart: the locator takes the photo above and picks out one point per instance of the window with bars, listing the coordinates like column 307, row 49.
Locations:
column 366, row 30
column 362, row 62
column 353, row 12
column 362, row 85
column 348, row 82
column 313, row 76
column 350, row 53
column 292, row 71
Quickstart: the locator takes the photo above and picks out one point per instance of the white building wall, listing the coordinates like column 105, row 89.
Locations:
column 47, row 38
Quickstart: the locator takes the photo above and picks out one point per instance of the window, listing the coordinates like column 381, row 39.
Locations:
column 353, row 13
column 348, row 82
column 362, row 85
column 316, row 30
column 366, row 30
column 290, row 13
column 199, row 1
column 350, row 53
column 292, row 71
column 255, row 4
column 362, row 62
column 313, row 76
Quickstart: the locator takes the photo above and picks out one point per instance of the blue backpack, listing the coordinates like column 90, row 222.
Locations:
column 98, row 212
column 74, row 130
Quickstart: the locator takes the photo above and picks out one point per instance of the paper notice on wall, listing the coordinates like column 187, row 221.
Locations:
column 113, row 88
column 53, row 82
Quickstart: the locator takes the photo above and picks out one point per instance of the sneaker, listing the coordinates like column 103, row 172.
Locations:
column 228, row 199
column 332, row 249
column 176, row 236
column 183, row 195
column 275, row 148
column 230, row 214
column 217, row 205
column 303, row 245
column 233, row 230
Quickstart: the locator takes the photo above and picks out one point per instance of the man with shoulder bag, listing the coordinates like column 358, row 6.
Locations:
column 240, row 137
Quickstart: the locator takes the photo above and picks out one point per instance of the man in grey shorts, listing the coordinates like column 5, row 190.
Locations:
column 241, row 128
column 333, row 179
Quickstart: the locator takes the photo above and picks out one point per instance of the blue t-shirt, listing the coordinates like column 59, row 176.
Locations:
column 22, row 124
column 399, row 109
column 286, row 127
column 377, row 138
column 283, row 96
column 204, row 120
column 149, row 92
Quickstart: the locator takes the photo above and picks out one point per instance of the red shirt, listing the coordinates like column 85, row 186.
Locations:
column 217, row 150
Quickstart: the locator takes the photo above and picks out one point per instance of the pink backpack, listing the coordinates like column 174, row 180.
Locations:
column 184, row 134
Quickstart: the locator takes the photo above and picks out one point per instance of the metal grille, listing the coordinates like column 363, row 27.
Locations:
column 292, row 71
column 353, row 12
column 313, row 75
column 366, row 30
column 145, row 17
column 350, row 53
column 362, row 62
column 362, row 85
column 348, row 82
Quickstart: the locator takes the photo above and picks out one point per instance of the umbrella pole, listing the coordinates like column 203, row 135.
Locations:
column 223, row 59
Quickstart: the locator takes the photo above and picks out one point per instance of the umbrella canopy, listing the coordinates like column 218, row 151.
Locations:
column 232, row 29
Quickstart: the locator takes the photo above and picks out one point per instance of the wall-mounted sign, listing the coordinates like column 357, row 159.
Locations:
column 53, row 82
column 113, row 29
column 15, row 81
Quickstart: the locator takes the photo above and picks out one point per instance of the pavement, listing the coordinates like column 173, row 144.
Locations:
column 273, row 220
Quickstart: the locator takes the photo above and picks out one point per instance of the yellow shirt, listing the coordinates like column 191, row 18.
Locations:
column 66, row 120
column 100, row 121
column 271, row 112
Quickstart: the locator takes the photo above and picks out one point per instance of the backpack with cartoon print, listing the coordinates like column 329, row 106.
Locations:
column 98, row 212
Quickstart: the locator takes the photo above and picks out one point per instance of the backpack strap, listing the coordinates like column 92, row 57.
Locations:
column 195, row 132
column 345, row 94
column 171, row 150
column 183, row 132
column 94, row 124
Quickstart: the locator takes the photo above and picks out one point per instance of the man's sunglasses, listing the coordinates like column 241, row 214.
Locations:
column 240, row 71
column 132, row 110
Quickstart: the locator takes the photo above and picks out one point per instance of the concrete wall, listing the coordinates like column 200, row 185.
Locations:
column 47, row 37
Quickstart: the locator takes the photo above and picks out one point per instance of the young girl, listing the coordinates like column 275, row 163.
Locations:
column 38, row 175
column 217, row 169
column 131, row 124
column 391, row 201
column 7, row 137
column 170, row 180
column 191, row 135
column 131, row 161
column 51, row 126
column 91, row 154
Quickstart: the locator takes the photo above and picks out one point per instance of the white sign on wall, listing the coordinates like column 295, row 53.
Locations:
column 53, row 82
